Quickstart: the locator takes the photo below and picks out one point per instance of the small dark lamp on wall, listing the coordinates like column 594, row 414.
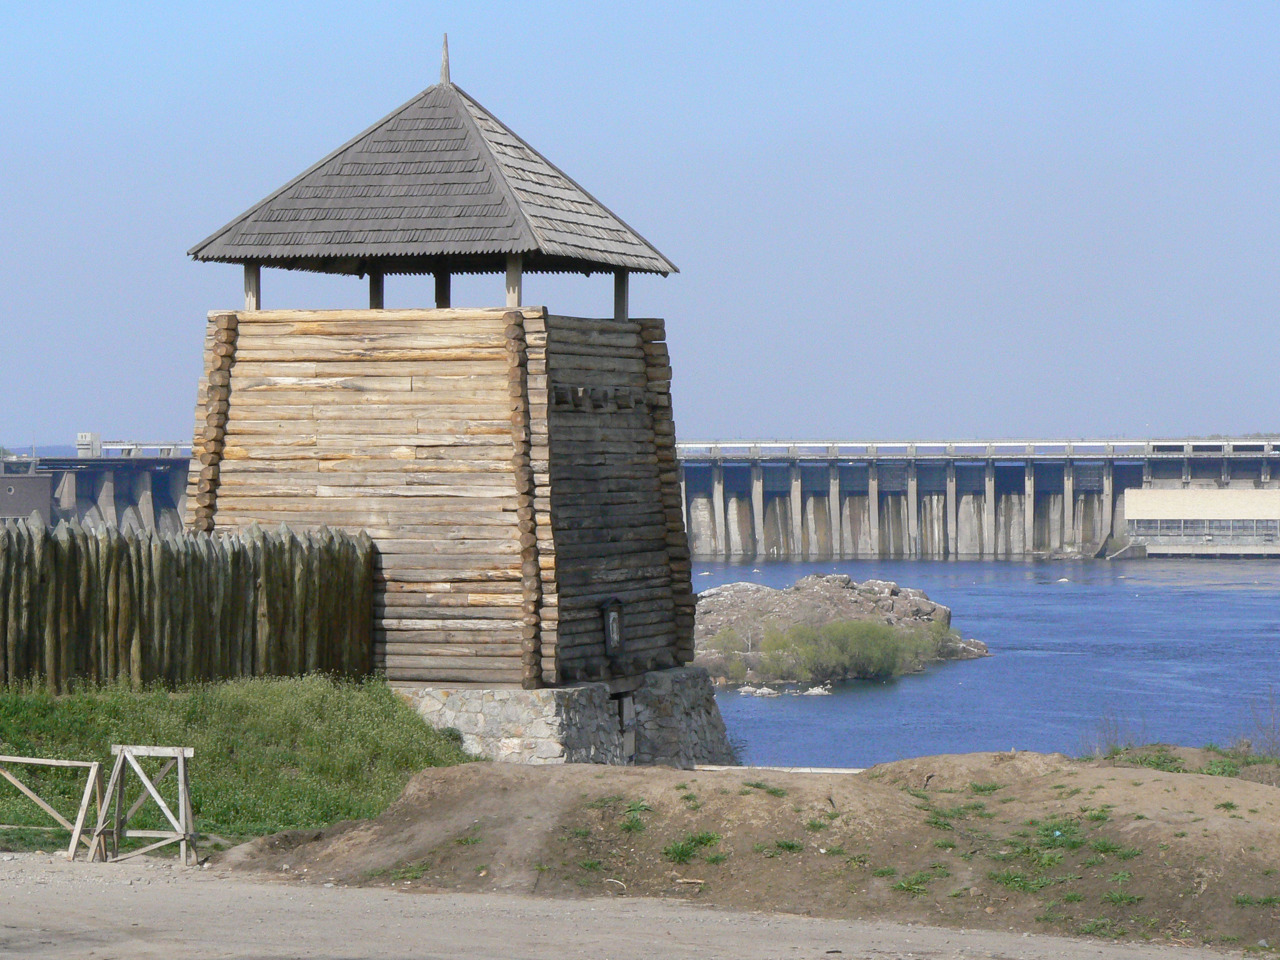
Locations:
column 611, row 610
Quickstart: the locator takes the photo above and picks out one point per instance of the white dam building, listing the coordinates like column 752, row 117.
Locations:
column 1204, row 522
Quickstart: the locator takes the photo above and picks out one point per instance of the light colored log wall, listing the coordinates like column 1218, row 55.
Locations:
column 512, row 468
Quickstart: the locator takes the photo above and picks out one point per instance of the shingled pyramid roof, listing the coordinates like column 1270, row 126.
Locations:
column 439, row 183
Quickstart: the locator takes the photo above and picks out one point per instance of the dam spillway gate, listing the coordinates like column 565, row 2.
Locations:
column 963, row 500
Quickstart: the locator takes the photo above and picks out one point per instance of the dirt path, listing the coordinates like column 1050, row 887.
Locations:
column 53, row 909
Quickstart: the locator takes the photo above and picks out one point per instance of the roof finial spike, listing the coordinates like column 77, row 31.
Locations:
column 444, row 61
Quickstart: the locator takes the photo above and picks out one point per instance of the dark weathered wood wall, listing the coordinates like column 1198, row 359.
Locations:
column 508, row 465
column 99, row 605
column 608, row 518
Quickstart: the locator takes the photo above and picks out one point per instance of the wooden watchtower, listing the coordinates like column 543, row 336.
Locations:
column 515, row 468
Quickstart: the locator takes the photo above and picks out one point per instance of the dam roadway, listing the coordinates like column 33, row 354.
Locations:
column 1009, row 499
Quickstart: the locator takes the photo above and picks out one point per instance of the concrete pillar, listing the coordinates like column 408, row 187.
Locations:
column 913, row 512
column 1146, row 473
column 833, row 509
column 144, row 498
column 757, row 507
column 989, row 513
column 953, row 512
column 797, row 513
column 1226, row 471
column 1108, row 498
column 1266, row 470
column 1068, row 504
column 1186, row 465
column 873, row 506
column 106, row 499
column 1029, row 507
column 717, row 508
column 65, row 494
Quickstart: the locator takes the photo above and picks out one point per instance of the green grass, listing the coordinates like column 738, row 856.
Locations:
column 632, row 823
column 270, row 754
column 1244, row 900
column 1016, row 880
column 838, row 650
column 1221, row 767
column 985, row 789
column 791, row 846
column 683, row 851
column 1059, row 833
column 916, row 883
column 1159, row 759
column 1120, row 898
column 761, row 785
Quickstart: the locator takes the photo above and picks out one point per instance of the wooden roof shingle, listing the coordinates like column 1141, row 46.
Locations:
column 440, row 183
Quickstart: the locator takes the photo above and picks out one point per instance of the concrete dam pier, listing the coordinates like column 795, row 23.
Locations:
column 1004, row 500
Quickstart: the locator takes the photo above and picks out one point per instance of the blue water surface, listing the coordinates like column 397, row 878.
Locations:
column 1180, row 651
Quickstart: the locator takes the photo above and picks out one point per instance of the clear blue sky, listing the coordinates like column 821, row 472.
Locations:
column 893, row 220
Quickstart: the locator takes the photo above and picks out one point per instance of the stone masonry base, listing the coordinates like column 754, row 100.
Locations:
column 671, row 719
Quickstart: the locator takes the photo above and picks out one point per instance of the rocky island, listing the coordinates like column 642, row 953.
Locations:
column 823, row 628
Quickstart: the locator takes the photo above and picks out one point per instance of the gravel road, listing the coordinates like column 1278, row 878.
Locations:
column 143, row 910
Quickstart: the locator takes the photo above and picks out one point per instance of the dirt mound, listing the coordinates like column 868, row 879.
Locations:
column 1020, row 840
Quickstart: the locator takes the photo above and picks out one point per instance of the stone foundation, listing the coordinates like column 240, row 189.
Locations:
column 672, row 718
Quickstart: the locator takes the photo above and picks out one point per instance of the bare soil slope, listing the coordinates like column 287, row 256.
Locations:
column 1004, row 841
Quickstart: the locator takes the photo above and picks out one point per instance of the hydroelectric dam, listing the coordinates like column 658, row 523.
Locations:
column 760, row 501
column 988, row 500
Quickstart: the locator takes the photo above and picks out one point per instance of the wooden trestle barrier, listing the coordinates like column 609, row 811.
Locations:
column 114, row 820
column 92, row 792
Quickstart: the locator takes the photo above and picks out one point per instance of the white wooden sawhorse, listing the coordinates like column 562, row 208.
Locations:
column 92, row 786
column 114, row 820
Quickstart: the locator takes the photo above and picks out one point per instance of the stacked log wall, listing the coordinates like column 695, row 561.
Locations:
column 514, row 470
column 399, row 423
column 609, row 520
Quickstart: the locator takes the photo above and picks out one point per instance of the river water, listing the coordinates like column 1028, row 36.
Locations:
column 1181, row 651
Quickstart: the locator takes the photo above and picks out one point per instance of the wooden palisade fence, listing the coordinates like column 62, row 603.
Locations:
column 101, row 606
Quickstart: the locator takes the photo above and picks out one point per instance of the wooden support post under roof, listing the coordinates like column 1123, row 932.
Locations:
column 375, row 290
column 444, row 295
column 515, row 280
column 621, row 295
column 253, row 286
